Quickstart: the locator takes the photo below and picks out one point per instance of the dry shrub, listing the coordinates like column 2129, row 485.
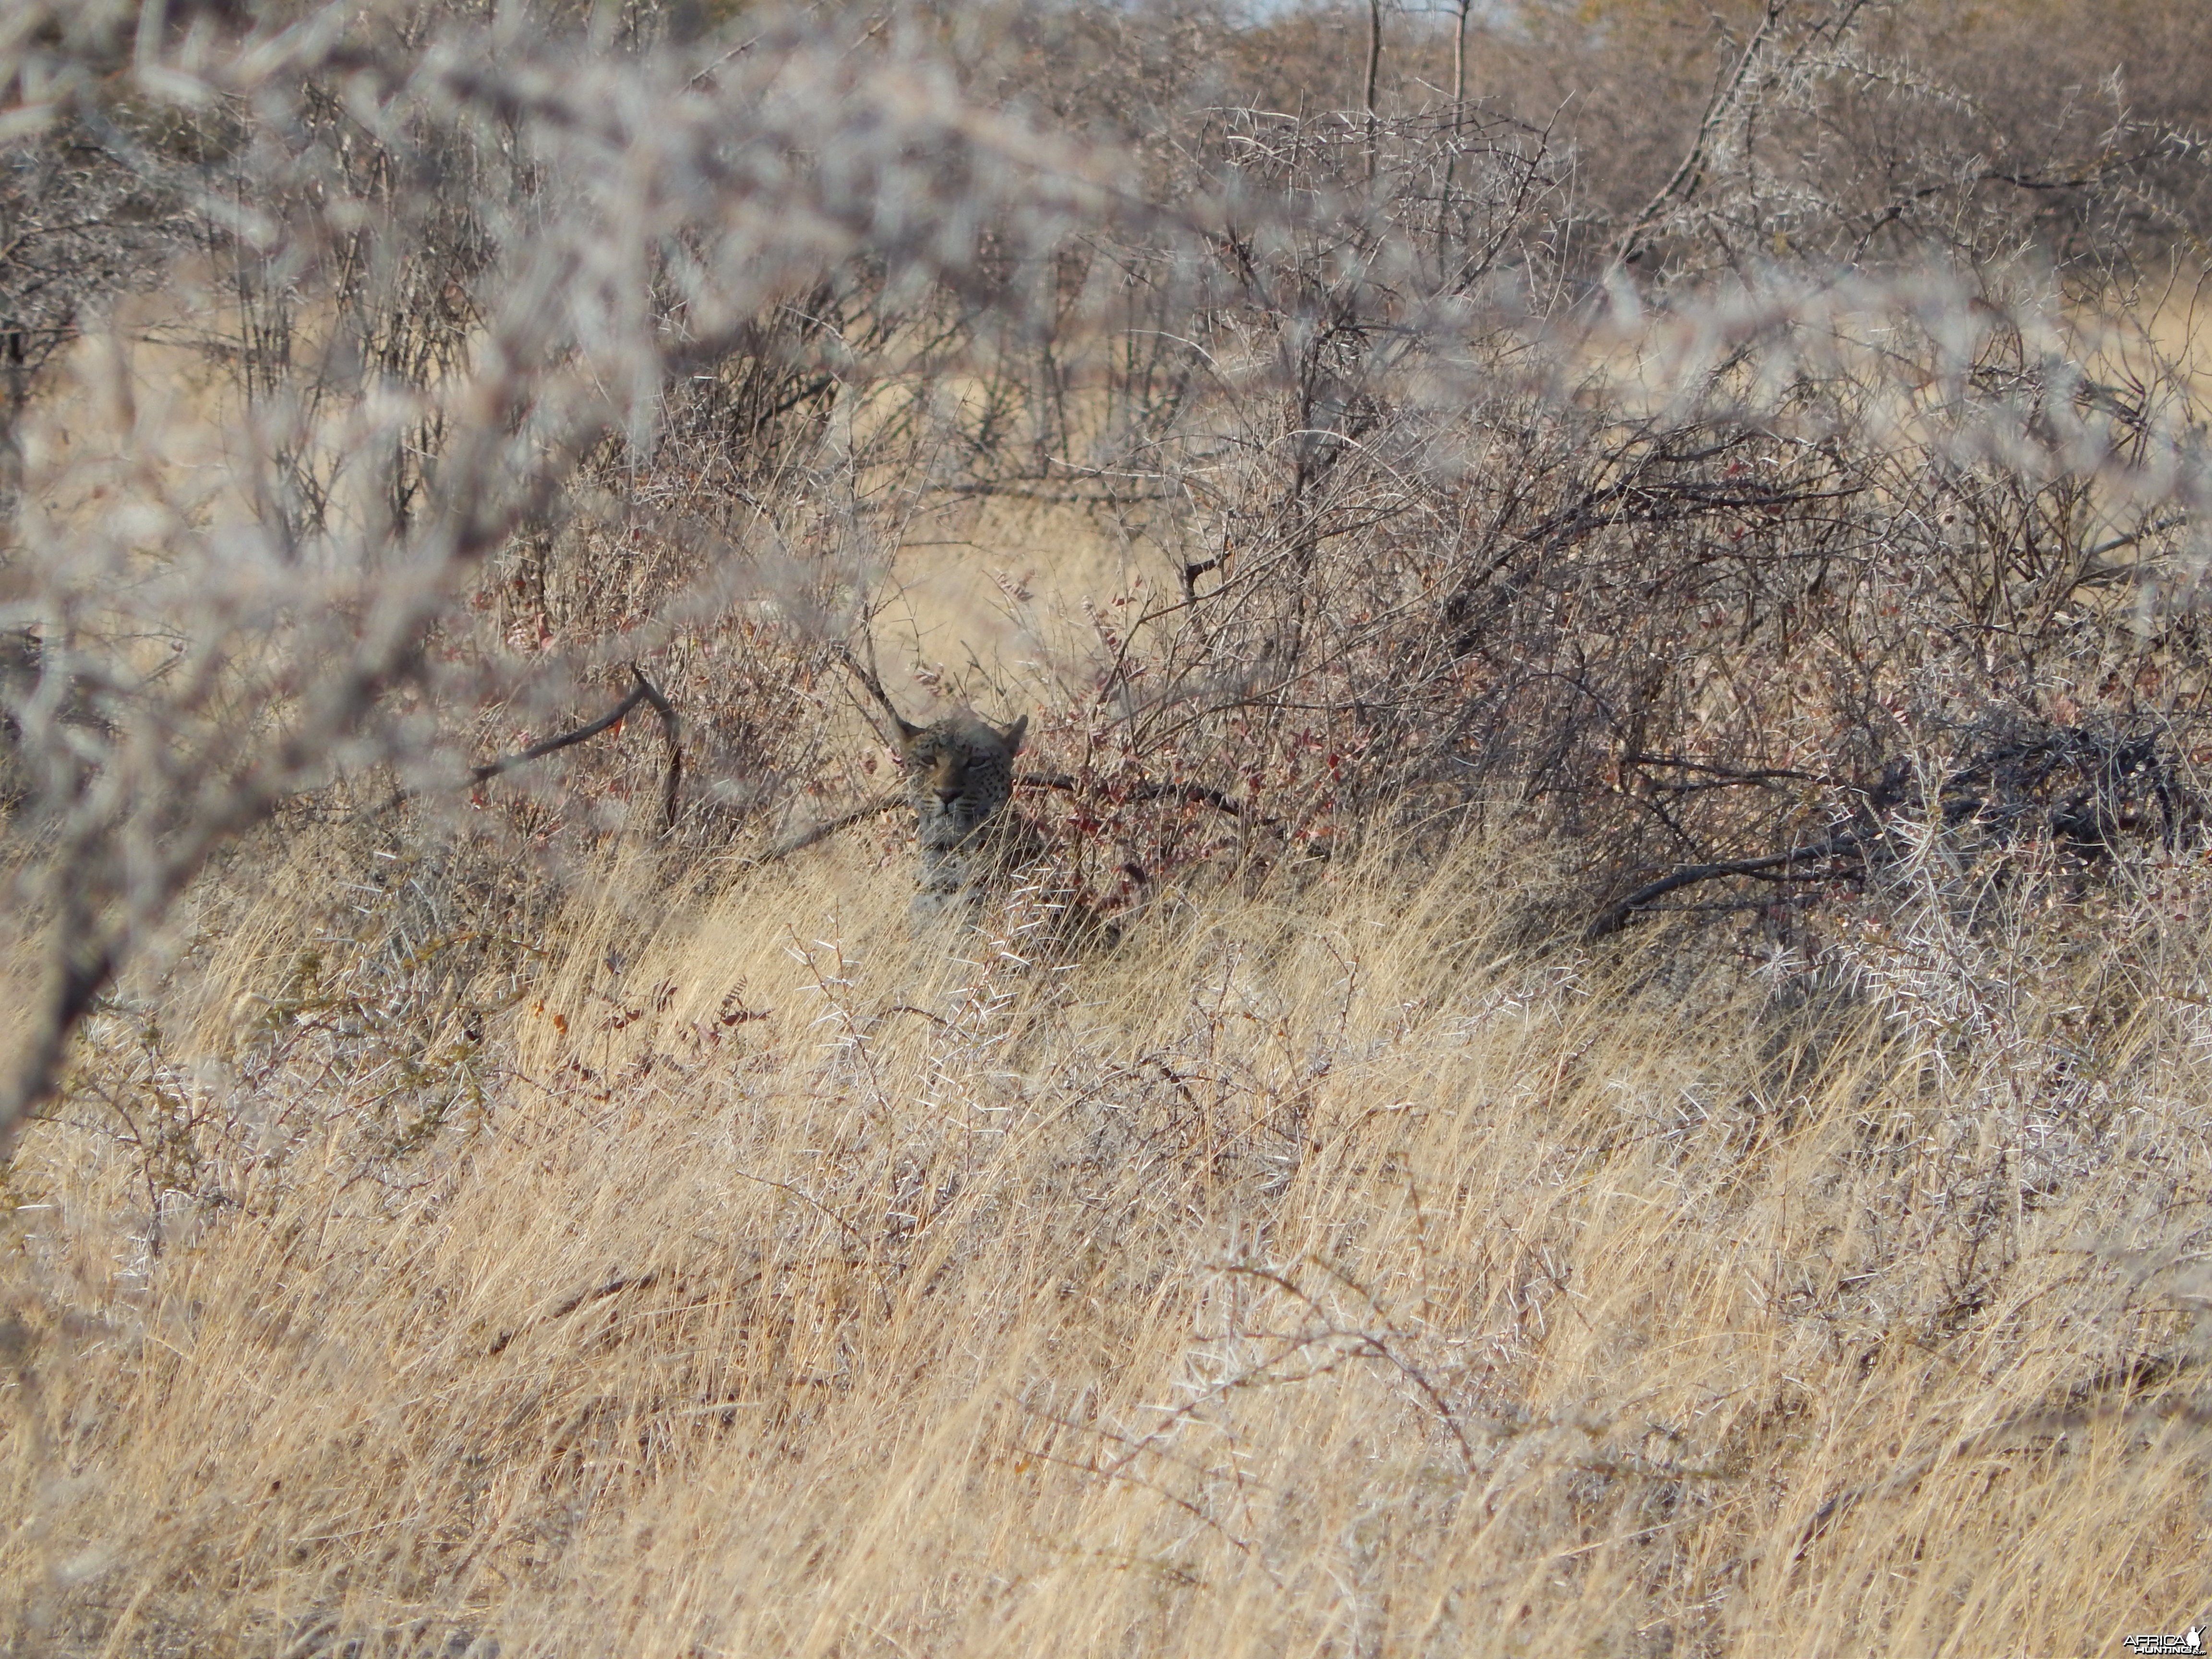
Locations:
column 1648, row 1093
column 1331, row 1275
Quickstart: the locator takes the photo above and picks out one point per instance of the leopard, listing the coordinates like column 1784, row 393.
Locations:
column 960, row 776
column 971, row 840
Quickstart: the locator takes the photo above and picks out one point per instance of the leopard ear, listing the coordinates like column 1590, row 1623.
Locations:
column 1014, row 734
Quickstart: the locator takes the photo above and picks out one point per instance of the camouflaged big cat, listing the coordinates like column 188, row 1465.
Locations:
column 960, row 775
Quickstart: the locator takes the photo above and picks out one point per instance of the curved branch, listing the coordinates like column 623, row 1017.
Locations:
column 1618, row 914
column 1196, row 794
column 873, row 685
column 1691, row 173
column 644, row 692
column 827, row 828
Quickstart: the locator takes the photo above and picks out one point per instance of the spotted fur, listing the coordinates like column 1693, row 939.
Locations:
column 960, row 776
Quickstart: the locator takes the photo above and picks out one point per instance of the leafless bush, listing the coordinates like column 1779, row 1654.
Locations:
column 544, row 352
column 439, row 247
column 1632, row 679
column 607, row 339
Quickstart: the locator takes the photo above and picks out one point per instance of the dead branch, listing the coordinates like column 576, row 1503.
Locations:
column 644, row 692
column 1621, row 911
column 874, row 686
column 822, row 832
column 1689, row 175
column 1198, row 794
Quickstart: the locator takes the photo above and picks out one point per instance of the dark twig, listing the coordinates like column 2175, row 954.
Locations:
column 874, row 686
column 1198, row 794
column 643, row 691
column 672, row 787
column 1691, row 173
column 823, row 831
column 1616, row 915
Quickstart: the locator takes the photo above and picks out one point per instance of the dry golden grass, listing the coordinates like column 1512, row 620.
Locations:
column 1328, row 1271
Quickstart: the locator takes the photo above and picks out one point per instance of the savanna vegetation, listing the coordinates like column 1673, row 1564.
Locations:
column 1608, row 605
